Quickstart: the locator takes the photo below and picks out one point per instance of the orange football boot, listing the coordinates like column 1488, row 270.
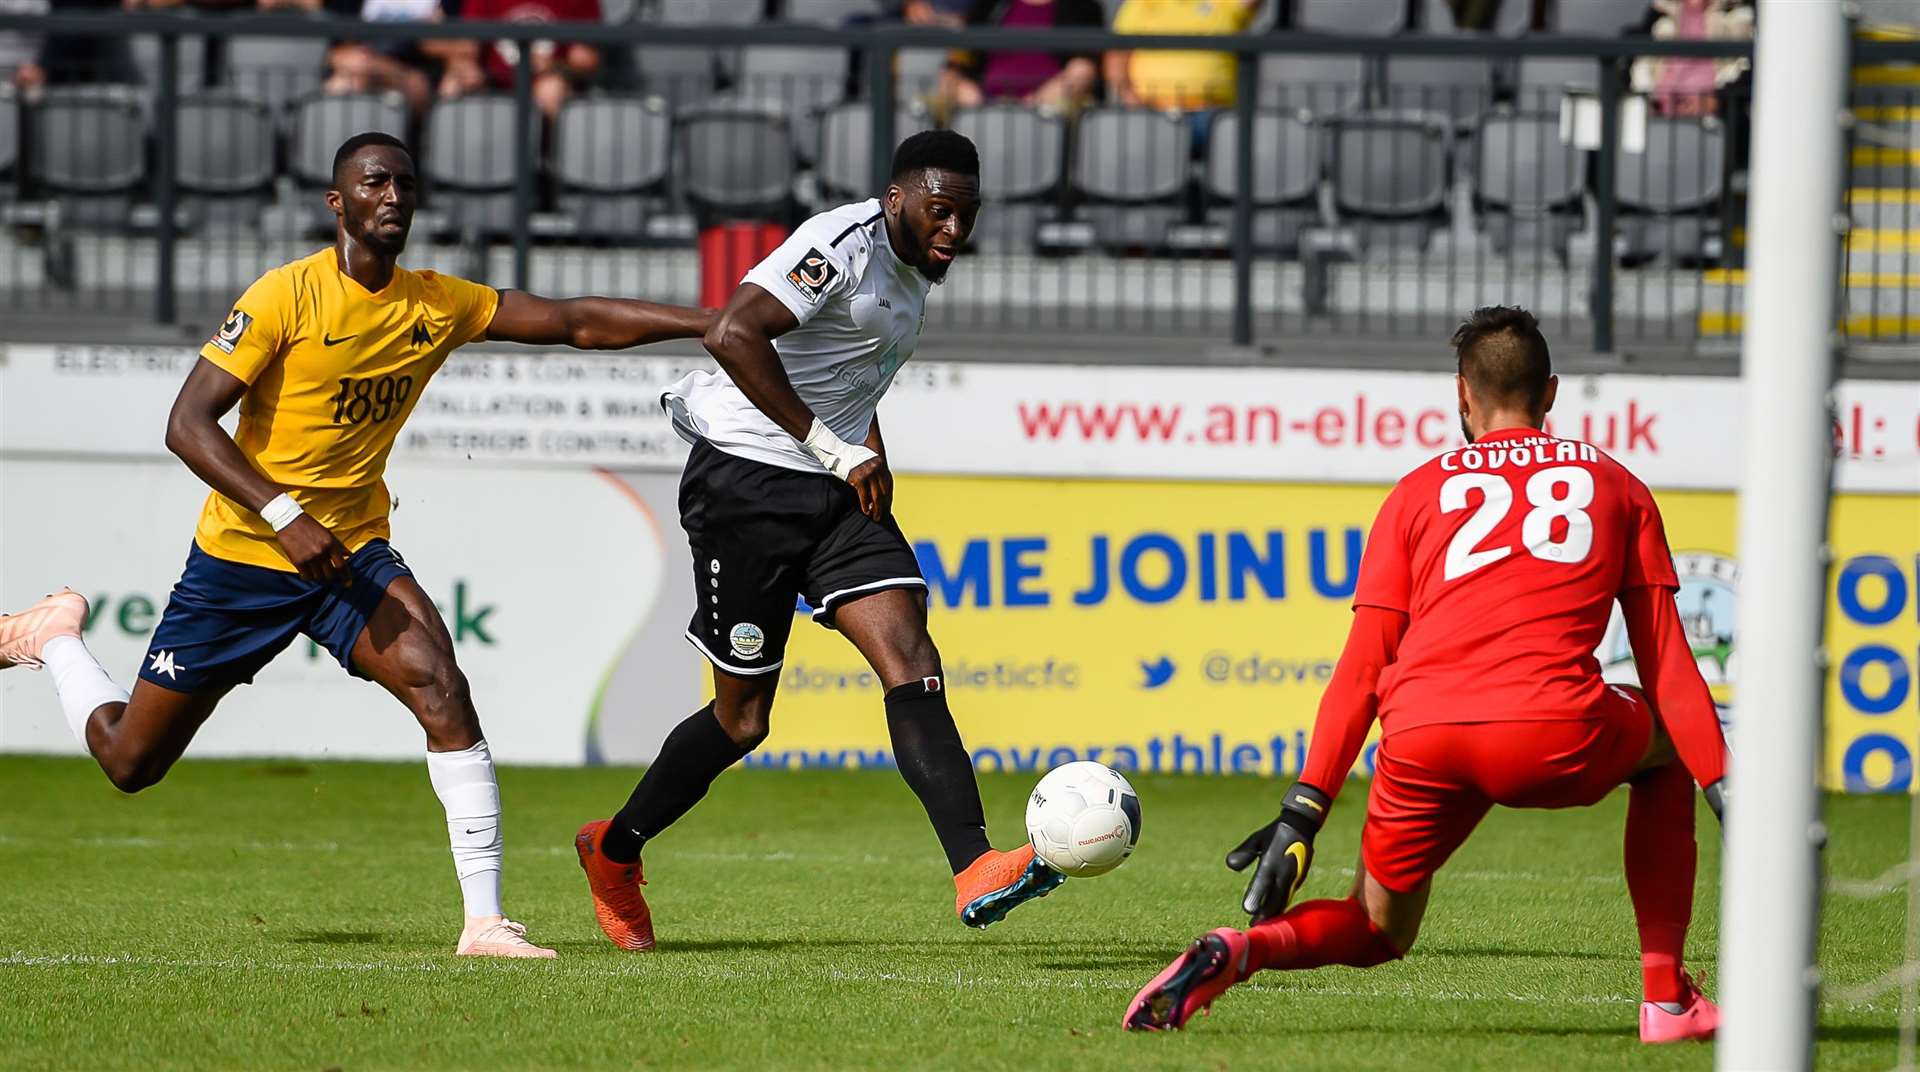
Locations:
column 999, row 882
column 617, row 903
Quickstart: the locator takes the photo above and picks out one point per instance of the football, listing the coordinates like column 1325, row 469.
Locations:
column 1083, row 819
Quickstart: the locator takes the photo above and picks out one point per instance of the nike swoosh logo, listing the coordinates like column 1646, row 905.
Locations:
column 326, row 340
column 1299, row 854
column 481, row 830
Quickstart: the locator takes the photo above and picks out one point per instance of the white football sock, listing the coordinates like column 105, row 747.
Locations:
column 80, row 682
column 465, row 784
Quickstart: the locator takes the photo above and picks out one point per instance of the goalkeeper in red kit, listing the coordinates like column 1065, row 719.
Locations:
column 1488, row 580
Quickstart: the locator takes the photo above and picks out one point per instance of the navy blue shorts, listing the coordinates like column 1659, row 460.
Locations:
column 225, row 620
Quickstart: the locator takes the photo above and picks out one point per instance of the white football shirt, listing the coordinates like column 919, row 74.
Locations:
column 860, row 310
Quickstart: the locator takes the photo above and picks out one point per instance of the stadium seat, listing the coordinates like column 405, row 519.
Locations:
column 708, row 12
column 1543, row 80
column 1364, row 18
column 1527, row 183
column 1329, row 84
column 9, row 145
column 1669, row 194
column 737, row 164
column 1316, row 85
column 796, row 81
column 832, row 12
column 89, row 151
column 1022, row 163
column 1286, row 176
column 845, row 151
column 468, row 165
column 1130, row 175
column 677, row 76
column 320, row 124
column 145, row 49
column 611, row 160
column 1595, row 18
column 1392, row 171
column 223, row 163
column 1510, row 20
column 683, row 76
column 276, row 70
column 1458, row 89
column 916, row 73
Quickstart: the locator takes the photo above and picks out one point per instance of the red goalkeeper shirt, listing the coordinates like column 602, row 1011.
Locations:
column 1507, row 556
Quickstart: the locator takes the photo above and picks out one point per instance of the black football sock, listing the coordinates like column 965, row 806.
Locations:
column 691, row 757
column 937, row 768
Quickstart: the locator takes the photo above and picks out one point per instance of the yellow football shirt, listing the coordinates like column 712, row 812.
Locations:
column 1183, row 80
column 332, row 371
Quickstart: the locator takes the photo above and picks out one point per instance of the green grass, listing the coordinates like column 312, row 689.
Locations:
column 248, row 915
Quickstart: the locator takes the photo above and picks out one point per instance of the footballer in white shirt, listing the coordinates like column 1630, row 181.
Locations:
column 787, row 494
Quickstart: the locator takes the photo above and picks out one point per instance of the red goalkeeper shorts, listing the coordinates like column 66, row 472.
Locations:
column 1432, row 784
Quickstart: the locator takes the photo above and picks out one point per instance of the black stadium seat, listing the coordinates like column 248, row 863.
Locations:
column 1130, row 173
column 468, row 163
column 90, row 152
column 224, row 165
column 1527, row 183
column 1286, row 176
column 611, row 160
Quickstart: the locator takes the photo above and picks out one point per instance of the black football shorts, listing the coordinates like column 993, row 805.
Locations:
column 764, row 537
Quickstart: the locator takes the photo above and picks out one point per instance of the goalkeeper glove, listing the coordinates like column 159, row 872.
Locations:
column 1284, row 848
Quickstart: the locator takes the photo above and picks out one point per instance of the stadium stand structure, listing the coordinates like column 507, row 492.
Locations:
column 1411, row 185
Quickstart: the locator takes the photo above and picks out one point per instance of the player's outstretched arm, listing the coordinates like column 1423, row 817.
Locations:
column 1284, row 847
column 1352, row 699
column 741, row 340
column 592, row 323
column 194, row 436
column 1671, row 679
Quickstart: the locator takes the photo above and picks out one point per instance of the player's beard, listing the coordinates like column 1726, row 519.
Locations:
column 384, row 244
column 1464, row 430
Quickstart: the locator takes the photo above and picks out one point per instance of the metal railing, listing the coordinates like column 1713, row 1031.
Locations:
column 1425, row 194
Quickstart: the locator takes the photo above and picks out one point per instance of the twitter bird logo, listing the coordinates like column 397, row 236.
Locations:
column 1158, row 672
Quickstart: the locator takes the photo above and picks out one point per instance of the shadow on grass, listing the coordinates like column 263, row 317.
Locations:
column 1858, row 1033
column 1069, row 956
column 1542, row 954
column 1143, row 962
column 349, row 938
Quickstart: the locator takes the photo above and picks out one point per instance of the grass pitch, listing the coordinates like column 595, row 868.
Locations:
column 302, row 916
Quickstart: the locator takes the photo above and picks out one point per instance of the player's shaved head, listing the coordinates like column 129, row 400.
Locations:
column 939, row 150
column 1503, row 357
column 352, row 146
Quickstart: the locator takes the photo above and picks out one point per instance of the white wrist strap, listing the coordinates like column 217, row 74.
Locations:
column 280, row 511
column 839, row 456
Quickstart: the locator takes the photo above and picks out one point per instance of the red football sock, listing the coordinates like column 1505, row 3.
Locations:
column 1317, row 933
column 1660, row 859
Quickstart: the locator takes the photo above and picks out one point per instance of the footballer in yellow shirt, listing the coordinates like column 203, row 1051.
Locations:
column 325, row 357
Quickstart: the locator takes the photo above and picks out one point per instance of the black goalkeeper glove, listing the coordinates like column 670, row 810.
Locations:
column 1284, row 848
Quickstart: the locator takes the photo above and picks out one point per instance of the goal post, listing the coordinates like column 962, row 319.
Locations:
column 1770, row 885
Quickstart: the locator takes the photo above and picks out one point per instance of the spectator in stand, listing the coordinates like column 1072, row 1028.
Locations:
column 67, row 58
column 1690, row 85
column 1183, row 81
column 417, row 70
column 558, row 66
column 947, row 14
column 1047, row 80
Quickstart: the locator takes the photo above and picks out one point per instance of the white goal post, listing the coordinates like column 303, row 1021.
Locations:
column 1770, row 885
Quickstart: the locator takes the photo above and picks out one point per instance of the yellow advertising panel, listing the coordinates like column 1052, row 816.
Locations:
column 1191, row 627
